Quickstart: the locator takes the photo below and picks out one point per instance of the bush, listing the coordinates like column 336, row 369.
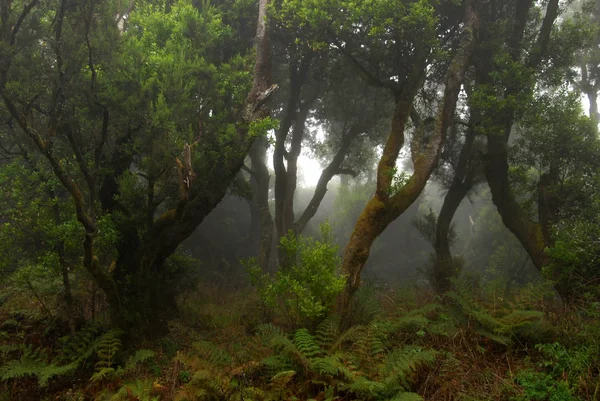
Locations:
column 306, row 289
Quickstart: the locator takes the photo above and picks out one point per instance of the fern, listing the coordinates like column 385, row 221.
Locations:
column 282, row 378
column 401, row 364
column 137, row 390
column 80, row 345
column 498, row 329
column 6, row 349
column 109, row 372
column 212, row 354
column 32, row 363
column 107, row 347
column 327, row 332
column 136, row 359
column 103, row 374
column 269, row 333
column 306, row 344
column 407, row 397
column 365, row 388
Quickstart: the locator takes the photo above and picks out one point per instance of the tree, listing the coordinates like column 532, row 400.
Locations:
column 100, row 110
column 391, row 198
column 460, row 171
column 319, row 93
column 509, row 78
column 554, row 163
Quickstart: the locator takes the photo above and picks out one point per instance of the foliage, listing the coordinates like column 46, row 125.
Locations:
column 306, row 290
column 497, row 323
column 86, row 345
column 564, row 373
column 327, row 362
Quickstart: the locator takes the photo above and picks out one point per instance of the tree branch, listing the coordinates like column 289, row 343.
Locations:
column 26, row 10
column 539, row 49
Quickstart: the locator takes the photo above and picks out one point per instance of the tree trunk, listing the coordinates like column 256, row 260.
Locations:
column 444, row 269
column 593, row 99
column 385, row 207
column 285, row 178
column 261, row 179
column 529, row 232
column 334, row 168
column 60, row 250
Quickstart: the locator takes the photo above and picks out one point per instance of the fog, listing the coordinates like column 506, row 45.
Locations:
column 401, row 256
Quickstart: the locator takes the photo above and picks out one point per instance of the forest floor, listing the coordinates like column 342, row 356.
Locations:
column 403, row 345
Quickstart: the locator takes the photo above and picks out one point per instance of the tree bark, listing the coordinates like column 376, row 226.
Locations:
column 462, row 182
column 64, row 265
column 385, row 207
column 261, row 178
column 332, row 169
column 297, row 77
column 444, row 269
column 530, row 233
column 287, row 217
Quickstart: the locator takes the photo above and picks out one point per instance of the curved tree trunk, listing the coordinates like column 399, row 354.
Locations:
column 385, row 207
column 532, row 234
column 444, row 269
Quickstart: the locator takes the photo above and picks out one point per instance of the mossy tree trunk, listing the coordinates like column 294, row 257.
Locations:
column 387, row 203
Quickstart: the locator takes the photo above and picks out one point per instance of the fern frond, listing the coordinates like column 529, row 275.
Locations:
column 212, row 353
column 138, row 390
column 401, row 364
column 32, row 362
column 497, row 338
column 282, row 378
column 267, row 332
column 6, row 349
column 277, row 363
column 20, row 368
column 80, row 344
column 517, row 319
column 51, row 371
column 330, row 365
column 103, row 374
column 306, row 344
column 139, row 357
column 328, row 331
column 407, row 397
column 411, row 323
column 107, row 346
column 350, row 335
column 366, row 389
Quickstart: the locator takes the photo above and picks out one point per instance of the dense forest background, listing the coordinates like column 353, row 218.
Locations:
column 299, row 200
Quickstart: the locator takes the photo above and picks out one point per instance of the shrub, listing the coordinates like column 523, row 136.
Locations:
column 306, row 289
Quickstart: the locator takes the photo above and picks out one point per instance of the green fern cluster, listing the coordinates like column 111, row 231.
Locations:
column 357, row 361
column 107, row 348
column 497, row 325
column 363, row 362
column 76, row 351
column 34, row 362
column 140, row 390
column 216, row 375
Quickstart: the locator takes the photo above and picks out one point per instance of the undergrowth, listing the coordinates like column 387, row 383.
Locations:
column 455, row 348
